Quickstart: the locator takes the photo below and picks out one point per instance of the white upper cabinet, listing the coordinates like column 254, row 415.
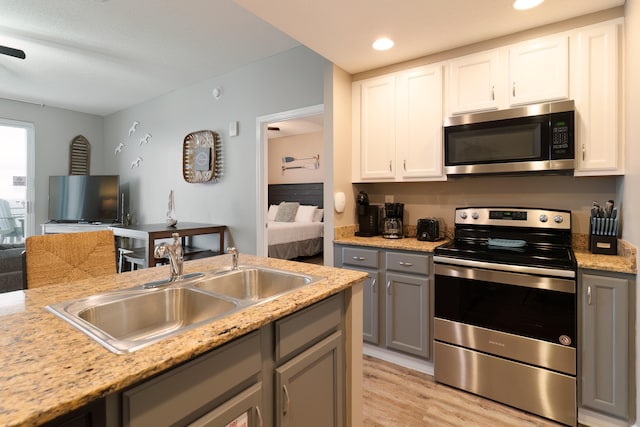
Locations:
column 600, row 144
column 419, row 124
column 397, row 126
column 474, row 83
column 374, row 121
column 539, row 70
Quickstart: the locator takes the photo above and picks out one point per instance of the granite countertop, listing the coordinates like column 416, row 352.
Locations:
column 624, row 262
column 407, row 244
column 49, row 368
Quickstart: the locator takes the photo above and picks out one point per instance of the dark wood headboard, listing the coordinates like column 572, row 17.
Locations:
column 306, row 194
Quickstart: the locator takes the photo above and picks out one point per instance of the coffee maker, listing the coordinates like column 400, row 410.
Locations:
column 369, row 217
column 394, row 213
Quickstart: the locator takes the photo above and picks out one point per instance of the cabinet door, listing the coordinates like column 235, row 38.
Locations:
column 243, row 409
column 374, row 128
column 539, row 71
column 310, row 387
column 473, row 83
column 419, row 123
column 407, row 307
column 370, row 308
column 599, row 146
column 604, row 344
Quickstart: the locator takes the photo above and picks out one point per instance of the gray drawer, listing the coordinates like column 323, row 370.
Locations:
column 170, row 397
column 360, row 257
column 300, row 330
column 408, row 263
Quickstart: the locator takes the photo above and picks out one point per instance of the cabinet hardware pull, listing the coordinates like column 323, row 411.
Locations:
column 513, row 90
column 388, row 287
column 589, row 295
column 493, row 93
column 406, row 264
column 390, row 170
column 287, row 402
column 584, row 151
column 359, row 258
column 405, row 165
column 259, row 415
column 373, row 286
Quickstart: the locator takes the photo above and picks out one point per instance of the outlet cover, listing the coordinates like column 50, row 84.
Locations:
column 388, row 198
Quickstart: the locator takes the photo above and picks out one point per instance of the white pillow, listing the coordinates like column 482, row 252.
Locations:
column 273, row 211
column 317, row 215
column 305, row 213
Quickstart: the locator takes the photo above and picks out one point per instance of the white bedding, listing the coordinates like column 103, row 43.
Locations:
column 286, row 232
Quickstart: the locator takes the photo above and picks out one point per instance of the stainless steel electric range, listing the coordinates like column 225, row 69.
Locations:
column 505, row 309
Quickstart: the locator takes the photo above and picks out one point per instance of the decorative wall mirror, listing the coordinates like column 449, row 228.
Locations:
column 201, row 157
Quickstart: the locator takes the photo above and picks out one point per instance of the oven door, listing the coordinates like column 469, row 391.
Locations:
column 519, row 316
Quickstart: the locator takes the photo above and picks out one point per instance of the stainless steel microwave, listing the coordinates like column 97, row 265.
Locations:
column 535, row 138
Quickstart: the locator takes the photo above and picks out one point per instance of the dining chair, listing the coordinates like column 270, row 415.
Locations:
column 61, row 258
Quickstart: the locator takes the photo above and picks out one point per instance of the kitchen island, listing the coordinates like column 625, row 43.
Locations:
column 49, row 368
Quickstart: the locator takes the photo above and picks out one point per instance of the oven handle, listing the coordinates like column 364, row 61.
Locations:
column 506, row 267
column 508, row 278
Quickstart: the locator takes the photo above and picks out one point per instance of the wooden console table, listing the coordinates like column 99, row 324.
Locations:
column 152, row 232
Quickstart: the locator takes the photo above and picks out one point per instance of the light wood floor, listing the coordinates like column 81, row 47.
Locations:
column 399, row 397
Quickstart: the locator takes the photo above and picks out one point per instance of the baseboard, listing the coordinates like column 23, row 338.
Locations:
column 400, row 359
column 595, row 419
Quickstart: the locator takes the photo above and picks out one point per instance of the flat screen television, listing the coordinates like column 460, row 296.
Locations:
column 84, row 198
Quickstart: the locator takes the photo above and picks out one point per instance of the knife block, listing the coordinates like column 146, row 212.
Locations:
column 606, row 245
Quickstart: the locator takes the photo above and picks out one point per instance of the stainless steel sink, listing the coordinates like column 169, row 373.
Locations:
column 126, row 320
column 250, row 283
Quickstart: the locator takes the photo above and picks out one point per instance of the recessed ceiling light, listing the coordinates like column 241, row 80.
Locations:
column 526, row 4
column 383, row 44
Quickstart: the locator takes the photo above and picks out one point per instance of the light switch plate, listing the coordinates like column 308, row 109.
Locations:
column 233, row 129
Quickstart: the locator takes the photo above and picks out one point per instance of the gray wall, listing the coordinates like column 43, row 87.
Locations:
column 54, row 129
column 291, row 80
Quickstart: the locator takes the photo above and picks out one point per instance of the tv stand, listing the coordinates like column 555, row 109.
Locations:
column 56, row 227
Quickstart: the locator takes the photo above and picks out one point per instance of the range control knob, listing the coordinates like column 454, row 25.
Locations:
column 463, row 215
column 543, row 218
column 558, row 219
column 475, row 215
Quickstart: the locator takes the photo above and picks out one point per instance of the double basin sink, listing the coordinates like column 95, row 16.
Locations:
column 126, row 320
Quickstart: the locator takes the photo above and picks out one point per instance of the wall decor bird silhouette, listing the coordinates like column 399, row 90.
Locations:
column 133, row 127
column 145, row 138
column 119, row 148
column 136, row 163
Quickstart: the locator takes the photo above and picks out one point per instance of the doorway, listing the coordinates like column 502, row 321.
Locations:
column 288, row 123
column 16, row 181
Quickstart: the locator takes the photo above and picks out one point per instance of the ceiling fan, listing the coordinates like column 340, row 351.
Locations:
column 16, row 53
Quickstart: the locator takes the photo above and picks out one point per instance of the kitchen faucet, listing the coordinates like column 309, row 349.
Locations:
column 175, row 254
column 234, row 257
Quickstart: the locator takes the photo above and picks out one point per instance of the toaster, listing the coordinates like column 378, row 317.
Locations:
column 430, row 229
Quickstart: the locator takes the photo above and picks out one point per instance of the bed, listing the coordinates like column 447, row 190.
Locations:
column 295, row 220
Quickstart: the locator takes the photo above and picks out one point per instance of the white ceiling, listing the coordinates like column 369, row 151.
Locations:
column 101, row 56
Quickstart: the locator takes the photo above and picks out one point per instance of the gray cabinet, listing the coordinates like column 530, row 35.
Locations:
column 367, row 260
column 309, row 376
column 310, row 386
column 396, row 297
column 407, row 303
column 187, row 393
column 241, row 409
column 605, row 342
